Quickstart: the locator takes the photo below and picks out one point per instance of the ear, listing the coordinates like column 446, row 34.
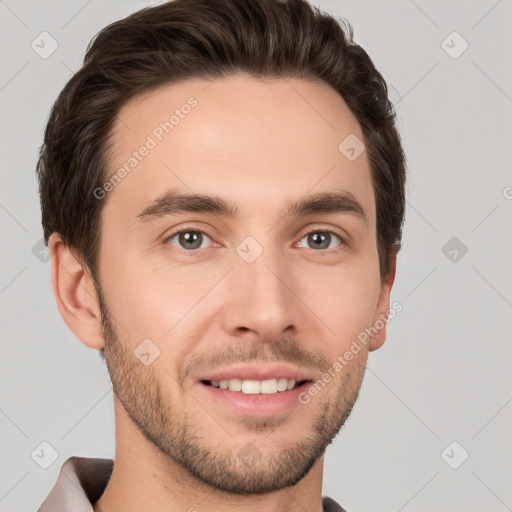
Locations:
column 382, row 310
column 75, row 293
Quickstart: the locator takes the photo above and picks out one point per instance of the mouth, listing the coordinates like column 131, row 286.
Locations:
column 268, row 398
column 256, row 387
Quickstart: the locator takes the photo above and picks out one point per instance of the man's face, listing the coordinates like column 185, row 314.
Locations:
column 265, row 292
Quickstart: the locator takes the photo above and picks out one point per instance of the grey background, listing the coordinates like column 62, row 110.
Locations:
column 443, row 374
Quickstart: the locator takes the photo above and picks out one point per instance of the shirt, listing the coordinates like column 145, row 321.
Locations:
column 82, row 481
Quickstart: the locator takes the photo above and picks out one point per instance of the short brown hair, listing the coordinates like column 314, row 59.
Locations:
column 184, row 39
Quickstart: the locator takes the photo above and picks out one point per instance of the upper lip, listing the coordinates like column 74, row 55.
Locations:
column 258, row 372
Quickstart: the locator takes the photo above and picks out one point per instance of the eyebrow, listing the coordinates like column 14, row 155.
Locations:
column 173, row 202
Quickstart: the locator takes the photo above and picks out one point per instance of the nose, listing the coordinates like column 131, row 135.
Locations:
column 260, row 298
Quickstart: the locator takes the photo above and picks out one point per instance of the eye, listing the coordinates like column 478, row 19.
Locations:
column 188, row 239
column 321, row 239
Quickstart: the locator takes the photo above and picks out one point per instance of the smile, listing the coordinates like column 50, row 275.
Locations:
column 256, row 387
column 254, row 398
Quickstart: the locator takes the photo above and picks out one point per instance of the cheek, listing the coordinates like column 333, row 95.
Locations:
column 345, row 300
column 154, row 302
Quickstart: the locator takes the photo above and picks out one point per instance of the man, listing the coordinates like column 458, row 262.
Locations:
column 222, row 187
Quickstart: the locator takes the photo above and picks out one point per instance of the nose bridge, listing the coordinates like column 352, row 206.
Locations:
column 262, row 300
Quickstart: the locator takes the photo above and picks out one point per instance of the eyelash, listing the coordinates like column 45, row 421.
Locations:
column 195, row 230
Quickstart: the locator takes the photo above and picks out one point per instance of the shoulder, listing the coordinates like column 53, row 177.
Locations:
column 329, row 505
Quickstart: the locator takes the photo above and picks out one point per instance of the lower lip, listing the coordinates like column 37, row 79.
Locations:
column 256, row 405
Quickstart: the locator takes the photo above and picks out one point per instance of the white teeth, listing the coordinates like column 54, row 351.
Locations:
column 235, row 385
column 282, row 384
column 255, row 387
column 251, row 387
column 268, row 387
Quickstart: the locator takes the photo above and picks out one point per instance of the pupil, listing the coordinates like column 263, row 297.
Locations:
column 320, row 239
column 191, row 238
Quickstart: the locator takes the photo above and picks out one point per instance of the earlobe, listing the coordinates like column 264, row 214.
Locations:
column 75, row 293
column 380, row 320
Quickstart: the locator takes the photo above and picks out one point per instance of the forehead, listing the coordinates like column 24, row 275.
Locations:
column 255, row 142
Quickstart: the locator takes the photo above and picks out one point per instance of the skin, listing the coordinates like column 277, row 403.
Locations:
column 256, row 143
